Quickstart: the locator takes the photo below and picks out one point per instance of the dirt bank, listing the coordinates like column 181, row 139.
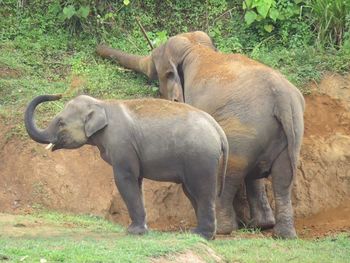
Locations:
column 79, row 181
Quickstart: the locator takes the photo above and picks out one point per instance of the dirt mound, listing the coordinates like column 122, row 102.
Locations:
column 198, row 254
column 79, row 181
column 325, row 116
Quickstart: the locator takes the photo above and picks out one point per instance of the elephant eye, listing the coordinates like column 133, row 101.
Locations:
column 169, row 74
column 61, row 123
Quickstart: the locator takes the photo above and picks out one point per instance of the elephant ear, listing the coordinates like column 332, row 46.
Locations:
column 174, row 84
column 95, row 120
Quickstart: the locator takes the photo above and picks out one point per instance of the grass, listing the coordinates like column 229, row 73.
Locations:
column 83, row 238
column 331, row 19
column 26, row 72
column 72, row 238
column 333, row 249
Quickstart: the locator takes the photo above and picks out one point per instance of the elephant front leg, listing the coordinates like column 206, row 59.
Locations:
column 129, row 187
column 260, row 211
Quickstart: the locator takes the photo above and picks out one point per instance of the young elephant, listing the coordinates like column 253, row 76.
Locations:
column 149, row 138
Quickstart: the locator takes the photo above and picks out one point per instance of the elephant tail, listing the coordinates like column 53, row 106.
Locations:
column 290, row 111
column 223, row 160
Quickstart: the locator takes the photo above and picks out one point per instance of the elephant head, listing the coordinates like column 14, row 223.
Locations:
column 166, row 62
column 80, row 119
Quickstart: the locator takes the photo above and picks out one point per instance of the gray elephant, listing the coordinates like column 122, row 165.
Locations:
column 259, row 110
column 151, row 138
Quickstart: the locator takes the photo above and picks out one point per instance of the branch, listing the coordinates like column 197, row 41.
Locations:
column 144, row 32
column 223, row 14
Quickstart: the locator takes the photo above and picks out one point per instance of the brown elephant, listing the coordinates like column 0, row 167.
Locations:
column 259, row 110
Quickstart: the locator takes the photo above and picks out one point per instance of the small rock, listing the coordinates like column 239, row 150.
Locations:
column 23, row 258
column 19, row 225
column 4, row 257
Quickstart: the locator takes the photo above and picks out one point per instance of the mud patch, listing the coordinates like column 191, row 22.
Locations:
column 325, row 223
column 7, row 73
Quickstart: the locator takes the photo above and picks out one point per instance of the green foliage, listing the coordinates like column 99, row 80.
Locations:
column 90, row 16
column 332, row 20
column 266, row 13
column 47, row 44
column 159, row 37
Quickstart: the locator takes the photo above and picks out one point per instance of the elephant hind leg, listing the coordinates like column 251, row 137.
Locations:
column 282, row 180
column 260, row 211
column 192, row 200
column 206, row 217
column 202, row 197
column 225, row 214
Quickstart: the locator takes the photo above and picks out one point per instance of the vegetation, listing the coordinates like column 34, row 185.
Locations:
column 56, row 237
column 332, row 21
column 68, row 238
column 332, row 249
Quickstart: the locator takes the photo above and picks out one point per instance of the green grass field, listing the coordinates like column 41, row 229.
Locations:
column 58, row 237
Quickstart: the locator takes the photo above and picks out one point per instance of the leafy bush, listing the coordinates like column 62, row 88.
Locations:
column 49, row 31
column 266, row 13
column 331, row 19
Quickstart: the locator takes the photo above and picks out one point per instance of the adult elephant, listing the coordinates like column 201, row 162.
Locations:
column 259, row 110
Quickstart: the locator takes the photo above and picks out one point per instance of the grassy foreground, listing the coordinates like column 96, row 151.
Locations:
column 56, row 237
column 67, row 238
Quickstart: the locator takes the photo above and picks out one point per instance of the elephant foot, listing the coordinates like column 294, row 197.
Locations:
column 284, row 231
column 225, row 223
column 208, row 235
column 134, row 229
column 263, row 223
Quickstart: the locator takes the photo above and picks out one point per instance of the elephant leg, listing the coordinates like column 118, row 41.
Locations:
column 225, row 214
column 282, row 181
column 129, row 187
column 260, row 211
column 202, row 196
column 192, row 200
column 205, row 217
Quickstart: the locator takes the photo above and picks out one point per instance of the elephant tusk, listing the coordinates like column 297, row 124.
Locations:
column 49, row 146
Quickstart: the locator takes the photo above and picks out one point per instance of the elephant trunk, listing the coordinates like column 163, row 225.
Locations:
column 38, row 135
column 142, row 64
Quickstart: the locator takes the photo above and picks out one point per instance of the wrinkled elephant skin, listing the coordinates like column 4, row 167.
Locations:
column 260, row 111
column 151, row 138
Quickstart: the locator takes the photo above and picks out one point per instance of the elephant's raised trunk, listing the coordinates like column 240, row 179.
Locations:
column 38, row 135
column 142, row 64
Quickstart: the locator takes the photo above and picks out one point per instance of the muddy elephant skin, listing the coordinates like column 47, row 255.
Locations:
column 260, row 111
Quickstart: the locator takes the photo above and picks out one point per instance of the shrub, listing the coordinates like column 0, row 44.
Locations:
column 331, row 19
